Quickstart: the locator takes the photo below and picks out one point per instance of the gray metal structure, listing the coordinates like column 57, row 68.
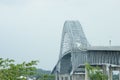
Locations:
column 75, row 51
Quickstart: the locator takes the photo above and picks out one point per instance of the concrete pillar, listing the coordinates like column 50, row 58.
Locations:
column 110, row 74
column 56, row 77
column 119, row 74
column 104, row 68
column 86, row 74
column 60, row 77
column 108, row 71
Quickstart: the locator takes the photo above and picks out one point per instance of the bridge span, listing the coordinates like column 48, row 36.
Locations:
column 75, row 51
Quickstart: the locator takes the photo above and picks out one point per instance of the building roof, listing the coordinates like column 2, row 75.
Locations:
column 103, row 48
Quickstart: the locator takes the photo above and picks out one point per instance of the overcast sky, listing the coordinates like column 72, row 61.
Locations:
column 31, row 29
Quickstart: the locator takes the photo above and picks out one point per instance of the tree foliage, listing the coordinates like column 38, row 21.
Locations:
column 11, row 71
column 95, row 73
column 46, row 77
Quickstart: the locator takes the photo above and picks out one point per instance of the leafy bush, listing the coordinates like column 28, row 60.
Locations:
column 95, row 73
column 11, row 71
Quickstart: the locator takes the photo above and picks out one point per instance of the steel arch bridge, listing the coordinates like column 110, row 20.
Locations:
column 75, row 51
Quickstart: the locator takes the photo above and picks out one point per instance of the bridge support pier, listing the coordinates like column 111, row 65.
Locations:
column 86, row 74
column 108, row 71
column 110, row 74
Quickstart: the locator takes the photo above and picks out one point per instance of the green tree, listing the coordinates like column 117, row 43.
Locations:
column 11, row 71
column 46, row 77
column 95, row 73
